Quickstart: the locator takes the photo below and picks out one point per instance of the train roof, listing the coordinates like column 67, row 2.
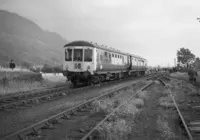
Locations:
column 95, row 45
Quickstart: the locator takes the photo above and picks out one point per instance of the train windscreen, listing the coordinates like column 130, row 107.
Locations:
column 68, row 55
column 78, row 54
column 88, row 55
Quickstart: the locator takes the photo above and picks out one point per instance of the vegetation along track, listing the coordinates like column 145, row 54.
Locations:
column 65, row 115
column 184, row 124
column 25, row 99
column 91, row 134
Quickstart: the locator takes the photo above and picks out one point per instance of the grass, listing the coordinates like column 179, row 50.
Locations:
column 103, row 105
column 184, row 76
column 122, row 123
column 117, row 130
column 164, row 129
column 142, row 95
column 21, row 81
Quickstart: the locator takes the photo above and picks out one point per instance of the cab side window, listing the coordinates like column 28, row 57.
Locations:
column 88, row 55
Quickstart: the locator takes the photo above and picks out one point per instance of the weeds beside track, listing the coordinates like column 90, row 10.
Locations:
column 178, row 110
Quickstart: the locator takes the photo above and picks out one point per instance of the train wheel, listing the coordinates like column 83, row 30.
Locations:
column 89, row 81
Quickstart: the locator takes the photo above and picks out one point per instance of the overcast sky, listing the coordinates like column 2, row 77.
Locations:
column 154, row 29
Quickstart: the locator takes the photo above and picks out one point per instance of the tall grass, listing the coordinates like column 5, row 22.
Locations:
column 117, row 130
column 122, row 123
column 19, row 81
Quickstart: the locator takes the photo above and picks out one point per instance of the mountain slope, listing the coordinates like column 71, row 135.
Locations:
column 24, row 41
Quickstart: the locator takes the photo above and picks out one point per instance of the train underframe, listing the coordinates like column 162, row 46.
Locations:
column 86, row 78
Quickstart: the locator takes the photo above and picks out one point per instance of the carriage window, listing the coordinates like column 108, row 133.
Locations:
column 113, row 55
column 68, row 55
column 101, row 58
column 109, row 57
column 88, row 55
column 78, row 54
column 106, row 54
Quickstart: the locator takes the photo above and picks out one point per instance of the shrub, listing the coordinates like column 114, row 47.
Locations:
column 103, row 105
column 164, row 129
column 142, row 95
column 117, row 130
column 138, row 102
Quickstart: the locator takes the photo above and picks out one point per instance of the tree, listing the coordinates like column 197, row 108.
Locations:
column 184, row 56
column 197, row 63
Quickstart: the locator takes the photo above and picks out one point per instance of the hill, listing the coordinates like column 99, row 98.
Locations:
column 25, row 42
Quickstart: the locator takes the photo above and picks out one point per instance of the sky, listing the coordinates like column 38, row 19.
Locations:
column 153, row 29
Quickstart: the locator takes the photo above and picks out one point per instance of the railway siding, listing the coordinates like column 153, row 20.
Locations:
column 185, row 99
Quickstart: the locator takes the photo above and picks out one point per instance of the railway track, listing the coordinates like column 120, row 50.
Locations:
column 65, row 115
column 191, row 127
column 26, row 99
column 91, row 134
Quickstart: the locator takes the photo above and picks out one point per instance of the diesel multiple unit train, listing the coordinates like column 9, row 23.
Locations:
column 90, row 63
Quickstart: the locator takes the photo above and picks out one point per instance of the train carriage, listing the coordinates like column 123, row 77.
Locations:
column 87, row 62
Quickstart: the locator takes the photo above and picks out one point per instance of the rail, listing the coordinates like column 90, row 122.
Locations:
column 178, row 110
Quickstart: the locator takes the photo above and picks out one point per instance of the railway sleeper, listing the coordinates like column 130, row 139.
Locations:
column 57, row 121
column 48, row 125
column 66, row 116
column 74, row 112
column 82, row 130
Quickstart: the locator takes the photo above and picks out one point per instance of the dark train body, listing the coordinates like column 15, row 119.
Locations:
column 87, row 62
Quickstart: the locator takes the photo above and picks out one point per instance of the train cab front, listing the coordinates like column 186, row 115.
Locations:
column 78, row 65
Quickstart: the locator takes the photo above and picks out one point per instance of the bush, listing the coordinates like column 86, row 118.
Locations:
column 164, row 129
column 117, row 130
